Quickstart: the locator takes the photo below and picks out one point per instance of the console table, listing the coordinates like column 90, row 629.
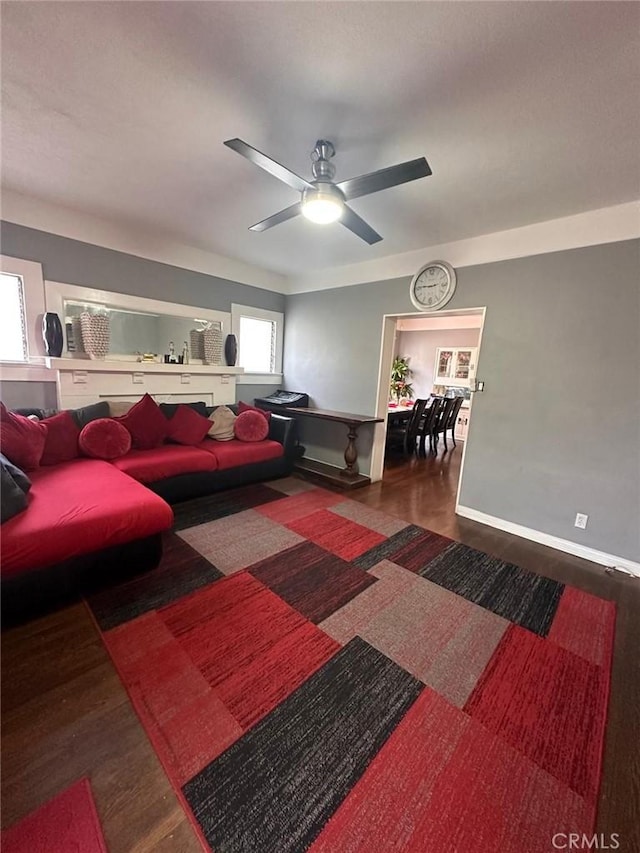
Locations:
column 347, row 477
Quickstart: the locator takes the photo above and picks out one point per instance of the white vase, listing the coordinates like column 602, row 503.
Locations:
column 197, row 343
column 96, row 334
column 212, row 342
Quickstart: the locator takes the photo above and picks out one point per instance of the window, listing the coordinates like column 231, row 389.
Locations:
column 13, row 333
column 21, row 310
column 259, row 333
column 257, row 347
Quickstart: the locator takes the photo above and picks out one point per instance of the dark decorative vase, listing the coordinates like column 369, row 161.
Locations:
column 52, row 334
column 231, row 350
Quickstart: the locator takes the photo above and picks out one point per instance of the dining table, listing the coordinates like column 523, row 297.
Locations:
column 398, row 415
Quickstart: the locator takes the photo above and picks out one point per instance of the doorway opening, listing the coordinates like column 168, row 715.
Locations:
column 443, row 351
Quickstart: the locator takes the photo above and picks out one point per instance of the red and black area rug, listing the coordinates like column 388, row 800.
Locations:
column 316, row 675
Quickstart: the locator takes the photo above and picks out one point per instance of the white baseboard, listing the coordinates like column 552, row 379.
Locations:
column 565, row 545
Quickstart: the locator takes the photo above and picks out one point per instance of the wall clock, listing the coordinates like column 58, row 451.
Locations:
column 433, row 286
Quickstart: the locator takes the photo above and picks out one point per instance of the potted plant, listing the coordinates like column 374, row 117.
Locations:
column 400, row 387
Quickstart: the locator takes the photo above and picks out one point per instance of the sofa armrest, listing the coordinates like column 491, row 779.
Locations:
column 284, row 430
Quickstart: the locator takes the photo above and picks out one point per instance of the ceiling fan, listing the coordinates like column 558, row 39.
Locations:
column 323, row 200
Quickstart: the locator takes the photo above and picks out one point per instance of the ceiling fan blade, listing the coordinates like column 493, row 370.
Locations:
column 277, row 218
column 385, row 178
column 269, row 165
column 359, row 227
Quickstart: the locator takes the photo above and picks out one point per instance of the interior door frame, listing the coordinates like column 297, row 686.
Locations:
column 387, row 347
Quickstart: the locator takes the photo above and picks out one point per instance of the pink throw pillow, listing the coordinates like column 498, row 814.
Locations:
column 146, row 423
column 245, row 407
column 21, row 439
column 251, row 426
column 61, row 439
column 187, row 426
column 105, row 438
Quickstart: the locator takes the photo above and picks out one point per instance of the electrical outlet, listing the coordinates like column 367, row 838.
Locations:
column 581, row 520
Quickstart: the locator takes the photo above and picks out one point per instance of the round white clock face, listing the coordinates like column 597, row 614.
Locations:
column 433, row 286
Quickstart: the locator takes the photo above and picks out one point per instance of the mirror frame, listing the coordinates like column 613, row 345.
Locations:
column 57, row 292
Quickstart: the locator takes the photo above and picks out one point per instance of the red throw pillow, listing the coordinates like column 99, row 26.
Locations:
column 250, row 426
column 105, row 438
column 61, row 439
column 245, row 407
column 21, row 439
column 146, row 423
column 187, row 426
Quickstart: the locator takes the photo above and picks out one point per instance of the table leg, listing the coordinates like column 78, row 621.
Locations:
column 351, row 453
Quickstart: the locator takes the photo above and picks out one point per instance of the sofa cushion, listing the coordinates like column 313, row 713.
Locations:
column 250, row 426
column 78, row 507
column 21, row 439
column 187, row 426
column 17, row 474
column 246, row 407
column 12, row 498
column 105, row 438
column 147, row 466
column 146, row 423
column 61, row 439
column 232, row 454
column 222, row 420
column 169, row 409
column 89, row 413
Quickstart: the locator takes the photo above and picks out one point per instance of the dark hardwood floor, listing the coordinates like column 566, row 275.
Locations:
column 66, row 715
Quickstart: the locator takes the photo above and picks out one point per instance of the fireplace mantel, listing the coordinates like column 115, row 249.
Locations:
column 121, row 366
column 83, row 381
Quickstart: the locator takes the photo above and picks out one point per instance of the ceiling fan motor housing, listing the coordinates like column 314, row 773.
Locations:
column 323, row 189
column 321, row 155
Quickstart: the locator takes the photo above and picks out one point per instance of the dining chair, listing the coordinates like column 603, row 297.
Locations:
column 406, row 434
column 447, row 421
column 429, row 423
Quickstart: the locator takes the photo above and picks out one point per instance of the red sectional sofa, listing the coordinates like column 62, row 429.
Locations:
column 89, row 519
column 76, row 508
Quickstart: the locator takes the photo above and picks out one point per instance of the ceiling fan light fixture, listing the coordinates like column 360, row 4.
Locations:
column 322, row 204
column 323, row 201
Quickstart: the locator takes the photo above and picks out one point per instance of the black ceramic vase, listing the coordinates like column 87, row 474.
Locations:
column 52, row 334
column 231, row 350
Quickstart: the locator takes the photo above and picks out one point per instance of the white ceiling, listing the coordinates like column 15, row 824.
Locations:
column 525, row 111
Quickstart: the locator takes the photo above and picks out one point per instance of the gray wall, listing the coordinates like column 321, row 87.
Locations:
column 74, row 262
column 79, row 263
column 557, row 429
column 248, row 393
